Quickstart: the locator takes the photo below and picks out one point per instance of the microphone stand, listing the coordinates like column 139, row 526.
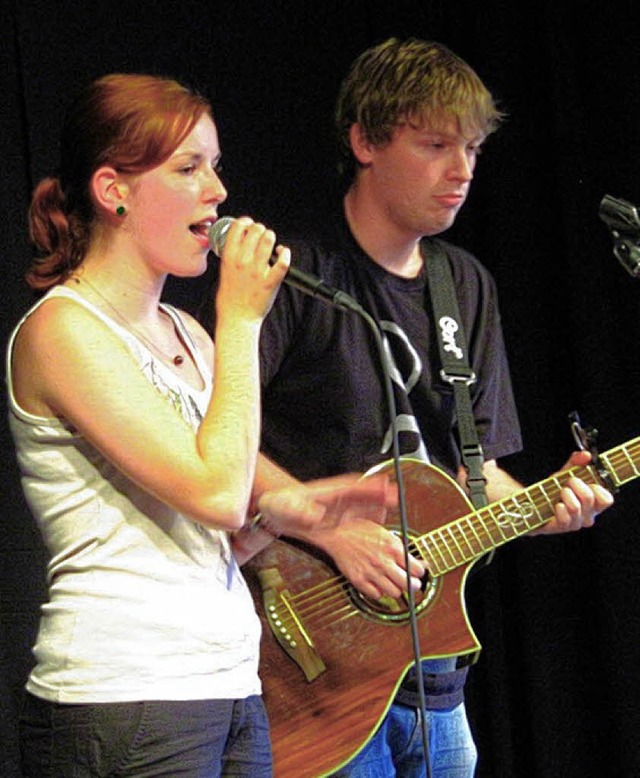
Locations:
column 404, row 524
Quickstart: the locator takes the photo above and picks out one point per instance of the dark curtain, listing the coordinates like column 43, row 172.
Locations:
column 556, row 690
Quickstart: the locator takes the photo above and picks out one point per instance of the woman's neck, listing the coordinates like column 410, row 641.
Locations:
column 125, row 283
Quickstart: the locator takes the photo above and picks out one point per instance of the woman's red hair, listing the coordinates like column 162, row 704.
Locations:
column 128, row 121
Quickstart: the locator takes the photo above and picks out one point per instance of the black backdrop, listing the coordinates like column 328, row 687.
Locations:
column 556, row 691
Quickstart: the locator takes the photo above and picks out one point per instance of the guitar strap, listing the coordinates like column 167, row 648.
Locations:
column 455, row 369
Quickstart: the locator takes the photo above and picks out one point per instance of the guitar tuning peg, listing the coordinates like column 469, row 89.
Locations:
column 586, row 440
column 581, row 436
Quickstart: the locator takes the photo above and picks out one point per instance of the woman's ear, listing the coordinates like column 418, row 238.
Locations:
column 361, row 146
column 109, row 191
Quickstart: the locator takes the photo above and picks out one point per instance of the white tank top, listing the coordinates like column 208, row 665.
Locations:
column 143, row 602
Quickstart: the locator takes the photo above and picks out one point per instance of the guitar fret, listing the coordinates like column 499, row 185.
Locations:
column 509, row 517
column 481, row 545
column 436, row 547
column 434, row 566
column 541, row 489
column 446, row 549
column 463, row 532
column 427, row 556
column 559, row 484
column 499, row 524
column 611, row 467
column 505, row 520
column 451, row 532
column 485, row 527
column 628, row 458
column 485, row 536
column 508, row 529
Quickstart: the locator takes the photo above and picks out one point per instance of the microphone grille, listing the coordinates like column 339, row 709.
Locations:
column 218, row 233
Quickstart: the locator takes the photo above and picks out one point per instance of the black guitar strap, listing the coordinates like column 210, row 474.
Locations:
column 455, row 369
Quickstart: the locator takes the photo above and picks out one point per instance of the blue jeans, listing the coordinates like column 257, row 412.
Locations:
column 190, row 739
column 396, row 748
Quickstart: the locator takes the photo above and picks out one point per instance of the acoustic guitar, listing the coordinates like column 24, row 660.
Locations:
column 332, row 659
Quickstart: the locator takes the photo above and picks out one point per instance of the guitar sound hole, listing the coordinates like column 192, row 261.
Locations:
column 395, row 609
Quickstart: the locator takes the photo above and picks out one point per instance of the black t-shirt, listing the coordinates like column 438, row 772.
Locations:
column 324, row 405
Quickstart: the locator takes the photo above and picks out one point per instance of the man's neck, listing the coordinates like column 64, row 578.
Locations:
column 396, row 252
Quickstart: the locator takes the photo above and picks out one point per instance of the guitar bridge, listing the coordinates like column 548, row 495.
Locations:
column 286, row 626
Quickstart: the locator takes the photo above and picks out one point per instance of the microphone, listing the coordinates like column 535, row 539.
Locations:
column 623, row 221
column 305, row 282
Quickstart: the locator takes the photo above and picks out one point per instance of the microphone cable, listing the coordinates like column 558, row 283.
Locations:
column 404, row 524
column 315, row 287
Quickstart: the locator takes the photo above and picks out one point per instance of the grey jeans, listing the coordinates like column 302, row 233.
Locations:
column 190, row 739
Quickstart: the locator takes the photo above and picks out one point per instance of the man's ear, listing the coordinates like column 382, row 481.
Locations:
column 361, row 146
column 108, row 189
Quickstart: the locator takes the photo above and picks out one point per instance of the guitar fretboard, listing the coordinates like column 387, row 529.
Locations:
column 469, row 537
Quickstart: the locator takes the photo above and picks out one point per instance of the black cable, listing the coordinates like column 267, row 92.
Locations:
column 404, row 525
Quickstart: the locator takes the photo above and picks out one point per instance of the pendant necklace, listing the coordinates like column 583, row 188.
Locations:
column 177, row 360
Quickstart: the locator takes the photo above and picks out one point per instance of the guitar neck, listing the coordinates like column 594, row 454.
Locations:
column 470, row 537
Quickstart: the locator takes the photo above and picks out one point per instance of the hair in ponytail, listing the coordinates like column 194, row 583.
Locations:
column 61, row 238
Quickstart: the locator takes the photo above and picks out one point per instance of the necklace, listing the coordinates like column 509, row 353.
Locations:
column 177, row 360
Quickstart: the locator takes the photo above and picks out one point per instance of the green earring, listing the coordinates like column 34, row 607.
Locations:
column 121, row 210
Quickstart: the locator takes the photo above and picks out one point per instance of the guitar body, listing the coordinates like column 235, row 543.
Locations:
column 357, row 651
column 332, row 660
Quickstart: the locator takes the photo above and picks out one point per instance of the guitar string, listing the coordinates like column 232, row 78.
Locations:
column 497, row 532
column 625, row 457
column 310, row 597
column 538, row 496
column 323, row 607
column 453, row 526
column 317, row 590
column 485, row 530
column 322, row 603
column 323, row 596
column 480, row 535
column 325, row 613
column 314, row 602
